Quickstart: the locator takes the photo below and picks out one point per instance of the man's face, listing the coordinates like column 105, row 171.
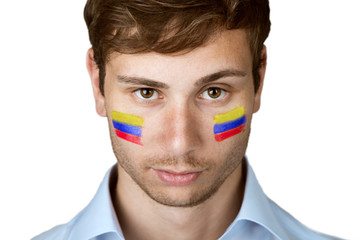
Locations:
column 180, row 163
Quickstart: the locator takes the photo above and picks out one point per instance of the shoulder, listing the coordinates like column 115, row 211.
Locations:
column 97, row 218
column 295, row 229
column 59, row 232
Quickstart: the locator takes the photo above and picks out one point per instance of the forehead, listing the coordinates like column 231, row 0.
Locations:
column 226, row 50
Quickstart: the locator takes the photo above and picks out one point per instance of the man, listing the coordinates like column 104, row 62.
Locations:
column 179, row 82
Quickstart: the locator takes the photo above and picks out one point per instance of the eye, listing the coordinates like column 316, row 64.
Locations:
column 146, row 93
column 213, row 93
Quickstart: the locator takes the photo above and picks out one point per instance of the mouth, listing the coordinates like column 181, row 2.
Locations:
column 173, row 178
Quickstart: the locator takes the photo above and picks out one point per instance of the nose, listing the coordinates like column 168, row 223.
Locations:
column 180, row 131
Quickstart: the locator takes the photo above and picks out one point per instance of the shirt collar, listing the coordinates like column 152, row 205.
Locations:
column 99, row 216
column 256, row 207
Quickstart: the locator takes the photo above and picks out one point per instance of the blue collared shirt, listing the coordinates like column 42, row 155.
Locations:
column 259, row 218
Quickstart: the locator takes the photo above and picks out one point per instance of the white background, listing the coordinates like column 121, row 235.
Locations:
column 305, row 140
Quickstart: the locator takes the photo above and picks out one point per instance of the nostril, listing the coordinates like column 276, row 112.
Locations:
column 179, row 133
column 177, row 152
column 179, row 141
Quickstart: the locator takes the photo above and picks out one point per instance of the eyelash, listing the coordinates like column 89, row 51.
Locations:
column 223, row 94
column 141, row 98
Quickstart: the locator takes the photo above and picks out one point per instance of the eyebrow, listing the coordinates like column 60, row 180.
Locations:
column 142, row 81
column 215, row 76
column 203, row 80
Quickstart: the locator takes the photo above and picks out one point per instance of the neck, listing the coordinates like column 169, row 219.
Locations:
column 141, row 217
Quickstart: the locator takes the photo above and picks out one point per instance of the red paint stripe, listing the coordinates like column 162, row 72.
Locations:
column 222, row 136
column 129, row 137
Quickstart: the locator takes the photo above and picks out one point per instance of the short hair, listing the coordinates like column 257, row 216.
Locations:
column 171, row 26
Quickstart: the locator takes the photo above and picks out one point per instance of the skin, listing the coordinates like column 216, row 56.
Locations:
column 178, row 136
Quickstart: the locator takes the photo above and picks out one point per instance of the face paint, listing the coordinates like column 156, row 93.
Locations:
column 127, row 126
column 229, row 124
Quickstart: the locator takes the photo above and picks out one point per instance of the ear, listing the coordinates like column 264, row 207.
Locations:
column 262, row 70
column 94, row 76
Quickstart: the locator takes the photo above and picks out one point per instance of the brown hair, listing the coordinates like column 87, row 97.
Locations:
column 170, row 26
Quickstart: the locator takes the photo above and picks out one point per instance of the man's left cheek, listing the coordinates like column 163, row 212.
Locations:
column 229, row 124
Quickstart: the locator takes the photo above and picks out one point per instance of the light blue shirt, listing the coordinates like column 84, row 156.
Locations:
column 258, row 219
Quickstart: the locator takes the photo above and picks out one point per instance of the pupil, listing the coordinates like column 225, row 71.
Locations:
column 214, row 92
column 147, row 93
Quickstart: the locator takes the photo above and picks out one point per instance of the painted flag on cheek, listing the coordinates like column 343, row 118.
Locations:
column 127, row 126
column 229, row 124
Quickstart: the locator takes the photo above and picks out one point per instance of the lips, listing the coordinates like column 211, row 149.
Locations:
column 177, row 179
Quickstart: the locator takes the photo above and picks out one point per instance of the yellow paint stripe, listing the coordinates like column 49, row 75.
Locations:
column 127, row 118
column 230, row 116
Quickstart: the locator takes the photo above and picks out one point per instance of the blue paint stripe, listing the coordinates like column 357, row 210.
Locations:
column 223, row 127
column 127, row 128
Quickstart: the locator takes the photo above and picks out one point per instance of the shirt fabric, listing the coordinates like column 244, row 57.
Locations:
column 258, row 219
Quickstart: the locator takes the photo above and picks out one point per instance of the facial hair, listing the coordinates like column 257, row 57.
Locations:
column 203, row 193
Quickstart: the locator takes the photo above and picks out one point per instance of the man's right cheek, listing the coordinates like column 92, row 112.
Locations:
column 127, row 126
